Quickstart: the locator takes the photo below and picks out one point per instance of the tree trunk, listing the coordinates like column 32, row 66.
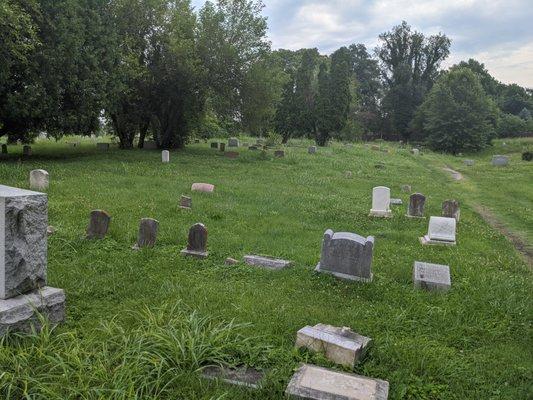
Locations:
column 142, row 134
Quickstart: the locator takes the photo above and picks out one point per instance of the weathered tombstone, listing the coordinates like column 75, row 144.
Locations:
column 451, row 209
column 407, row 188
column 376, row 147
column 396, row 202
column 185, row 202
column 247, row 377
column 380, row 202
column 318, row 383
column 165, row 156
column 150, row 145
column 214, row 145
column 311, row 150
column 231, row 261
column 253, row 147
column 415, row 152
column 279, row 153
column 266, row 262
column 432, row 277
column 203, row 187
column 197, row 242
column 23, row 260
column 233, row 142
column 347, row 255
column 500, row 161
column 416, row 205
column 50, row 230
column 469, row 163
column 340, row 345
column 222, row 147
column 231, row 154
column 441, row 231
column 39, row 179
column 26, row 151
column 4, row 148
column 102, row 146
column 98, row 224
column 147, row 233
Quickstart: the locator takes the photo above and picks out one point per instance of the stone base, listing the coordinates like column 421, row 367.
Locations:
column 425, row 240
column 247, row 377
column 396, row 202
column 20, row 313
column 192, row 253
column 344, row 276
column 380, row 213
column 316, row 383
column 414, row 216
column 185, row 208
column 266, row 262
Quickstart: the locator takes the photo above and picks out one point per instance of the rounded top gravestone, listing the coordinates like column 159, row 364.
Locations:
column 380, row 202
column 39, row 179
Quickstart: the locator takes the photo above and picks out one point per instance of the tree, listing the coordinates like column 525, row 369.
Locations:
column 324, row 111
column 304, row 94
column 457, row 115
column 410, row 64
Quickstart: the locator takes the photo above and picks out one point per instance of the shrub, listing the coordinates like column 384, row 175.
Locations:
column 527, row 156
column 510, row 125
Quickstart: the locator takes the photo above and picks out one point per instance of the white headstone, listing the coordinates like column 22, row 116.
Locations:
column 433, row 277
column 441, row 231
column 165, row 156
column 39, row 179
column 380, row 202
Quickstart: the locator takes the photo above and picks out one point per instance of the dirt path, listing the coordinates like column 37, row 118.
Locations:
column 455, row 174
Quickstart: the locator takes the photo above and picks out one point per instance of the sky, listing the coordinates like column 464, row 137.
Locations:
column 498, row 33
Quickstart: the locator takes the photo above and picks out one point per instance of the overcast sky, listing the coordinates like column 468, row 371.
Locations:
column 498, row 33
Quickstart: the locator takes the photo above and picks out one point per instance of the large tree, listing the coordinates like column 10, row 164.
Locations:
column 410, row 64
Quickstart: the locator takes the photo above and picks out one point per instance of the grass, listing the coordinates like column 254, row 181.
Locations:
column 475, row 342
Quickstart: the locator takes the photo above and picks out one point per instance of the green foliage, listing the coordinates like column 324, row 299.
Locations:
column 510, row 125
column 457, row 114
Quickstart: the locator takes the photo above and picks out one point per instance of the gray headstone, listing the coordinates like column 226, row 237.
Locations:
column 396, row 202
column 340, row 345
column 39, row 179
column 165, row 156
column 266, row 262
column 98, row 224
column 197, row 242
column 4, row 148
column 441, row 230
column 347, row 255
column 233, row 142
column 416, row 205
column 26, row 151
column 147, row 233
column 247, row 377
column 469, row 163
column 433, row 277
column 222, row 147
column 407, row 188
column 500, row 161
column 279, row 153
column 451, row 209
column 23, row 241
column 185, row 202
column 214, row 145
column 311, row 150
column 317, row 383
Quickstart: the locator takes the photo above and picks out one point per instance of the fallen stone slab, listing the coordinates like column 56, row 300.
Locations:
column 317, row 383
column 248, row 377
column 203, row 187
column 432, row 277
column 340, row 345
column 266, row 262
column 231, row 261
column 396, row 202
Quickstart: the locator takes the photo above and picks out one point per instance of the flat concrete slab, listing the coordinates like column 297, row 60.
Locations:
column 193, row 253
column 317, row 383
column 425, row 240
column 433, row 277
column 266, row 262
column 396, row 202
column 248, row 377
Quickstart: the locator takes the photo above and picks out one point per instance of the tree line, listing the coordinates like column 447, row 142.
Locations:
column 161, row 69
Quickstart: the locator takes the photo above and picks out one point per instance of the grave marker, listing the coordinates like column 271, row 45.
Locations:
column 197, row 242
column 102, row 146
column 39, row 179
column 451, row 209
column 500, row 161
column 98, row 224
column 26, row 151
column 416, row 205
column 165, row 156
column 147, row 233
column 432, row 277
column 381, row 202
column 441, row 231
column 311, row 150
column 185, row 202
column 233, row 142
column 203, row 187
column 279, row 153
column 266, row 262
column 214, row 145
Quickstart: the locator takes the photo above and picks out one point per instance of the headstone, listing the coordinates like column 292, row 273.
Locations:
column 231, row 261
column 165, row 156
column 347, row 255
column 266, row 262
column 415, row 152
column 311, row 150
column 231, row 154
column 432, row 277
column 500, row 161
column 147, row 233
column 375, row 147
column 222, row 147
column 50, row 230
column 150, row 145
column 26, row 151
column 340, row 345
column 318, row 383
column 23, row 258
column 253, row 147
column 98, row 224
column 396, row 202
column 279, row 153
column 451, row 209
column 197, row 242
column 4, row 148
column 102, row 146
column 416, row 205
column 407, row 188
column 441, row 231
column 247, row 377
column 233, row 142
column 203, row 187
column 185, row 202
column 214, row 145
column 39, row 179
column 380, row 202
column 469, row 163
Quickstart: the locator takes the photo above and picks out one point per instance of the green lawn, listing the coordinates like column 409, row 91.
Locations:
column 140, row 324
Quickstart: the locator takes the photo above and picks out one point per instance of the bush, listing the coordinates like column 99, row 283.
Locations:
column 510, row 125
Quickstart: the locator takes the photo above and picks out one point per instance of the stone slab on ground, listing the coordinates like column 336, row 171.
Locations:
column 248, row 377
column 203, row 187
column 266, row 262
column 20, row 313
column 317, row 383
column 340, row 345
column 396, row 202
column 433, row 277
column 441, row 230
